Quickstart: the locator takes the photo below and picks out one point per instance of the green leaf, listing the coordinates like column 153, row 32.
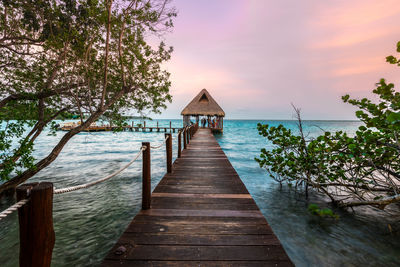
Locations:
column 359, row 113
column 352, row 146
column 393, row 117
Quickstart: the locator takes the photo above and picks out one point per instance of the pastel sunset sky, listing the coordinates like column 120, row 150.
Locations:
column 256, row 57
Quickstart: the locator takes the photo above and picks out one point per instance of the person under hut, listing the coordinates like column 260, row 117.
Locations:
column 203, row 122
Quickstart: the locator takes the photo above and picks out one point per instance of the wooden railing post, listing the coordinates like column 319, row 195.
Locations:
column 36, row 230
column 179, row 144
column 168, row 149
column 184, row 138
column 146, row 177
column 170, row 127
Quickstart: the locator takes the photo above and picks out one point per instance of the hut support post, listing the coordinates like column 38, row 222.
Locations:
column 186, row 120
column 36, row 230
column 220, row 122
column 146, row 177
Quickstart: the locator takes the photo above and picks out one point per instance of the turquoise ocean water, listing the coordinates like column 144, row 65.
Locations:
column 89, row 222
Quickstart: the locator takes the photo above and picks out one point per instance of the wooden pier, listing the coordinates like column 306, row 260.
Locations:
column 108, row 128
column 201, row 215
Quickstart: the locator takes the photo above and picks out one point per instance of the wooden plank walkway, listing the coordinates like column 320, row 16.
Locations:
column 201, row 215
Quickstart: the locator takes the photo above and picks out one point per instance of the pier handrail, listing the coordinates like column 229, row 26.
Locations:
column 13, row 208
column 186, row 130
column 36, row 219
column 160, row 145
column 87, row 185
column 22, row 202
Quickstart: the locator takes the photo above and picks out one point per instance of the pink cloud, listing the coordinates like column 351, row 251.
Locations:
column 256, row 57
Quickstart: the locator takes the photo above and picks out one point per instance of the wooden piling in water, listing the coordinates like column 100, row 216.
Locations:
column 146, row 177
column 179, row 144
column 184, row 138
column 168, row 149
column 36, row 230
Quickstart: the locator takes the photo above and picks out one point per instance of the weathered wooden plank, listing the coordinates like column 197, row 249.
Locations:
column 211, row 189
column 196, row 239
column 197, row 195
column 203, row 213
column 201, row 181
column 181, row 200
column 221, row 228
column 199, row 219
column 210, row 253
column 203, row 206
column 127, row 262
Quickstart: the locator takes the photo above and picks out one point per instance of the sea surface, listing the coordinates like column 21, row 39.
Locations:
column 88, row 222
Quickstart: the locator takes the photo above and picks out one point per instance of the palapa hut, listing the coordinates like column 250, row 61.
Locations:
column 203, row 105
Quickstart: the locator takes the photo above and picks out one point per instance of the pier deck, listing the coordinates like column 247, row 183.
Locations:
column 201, row 215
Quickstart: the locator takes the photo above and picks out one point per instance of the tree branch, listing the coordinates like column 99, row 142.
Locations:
column 380, row 203
column 57, row 149
column 103, row 94
column 40, row 95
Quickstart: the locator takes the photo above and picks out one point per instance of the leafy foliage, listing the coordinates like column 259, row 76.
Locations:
column 363, row 169
column 87, row 57
column 314, row 209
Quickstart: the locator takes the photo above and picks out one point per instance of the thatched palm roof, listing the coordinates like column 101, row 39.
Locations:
column 203, row 104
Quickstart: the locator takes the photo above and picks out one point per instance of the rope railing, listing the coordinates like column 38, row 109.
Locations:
column 13, row 208
column 19, row 204
column 160, row 145
column 87, row 185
